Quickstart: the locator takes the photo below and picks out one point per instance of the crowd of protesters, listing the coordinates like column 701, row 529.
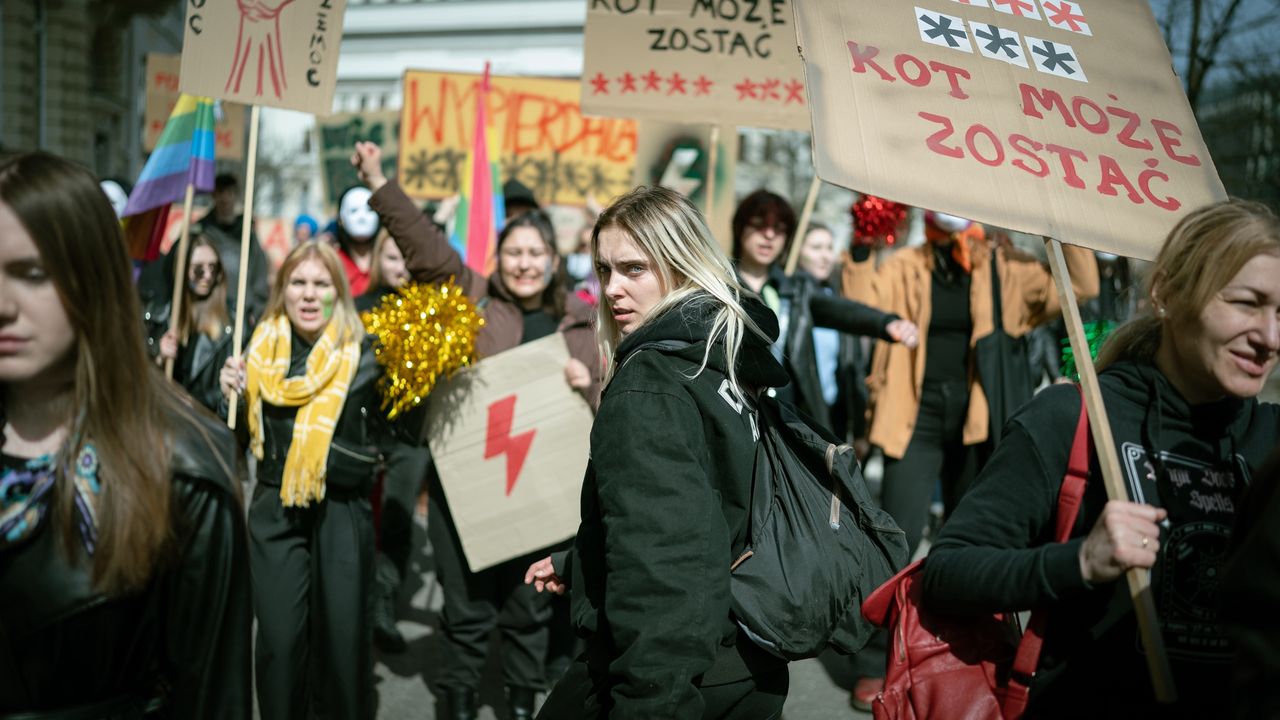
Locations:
column 133, row 569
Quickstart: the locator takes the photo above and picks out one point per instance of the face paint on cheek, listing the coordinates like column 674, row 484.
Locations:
column 326, row 303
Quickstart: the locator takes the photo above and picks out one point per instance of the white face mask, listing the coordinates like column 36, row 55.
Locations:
column 116, row 194
column 357, row 218
column 578, row 265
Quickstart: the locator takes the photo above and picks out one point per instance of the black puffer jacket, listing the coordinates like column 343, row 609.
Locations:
column 183, row 640
column 996, row 551
column 664, row 510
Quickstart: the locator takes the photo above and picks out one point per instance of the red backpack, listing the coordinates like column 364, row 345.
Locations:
column 944, row 667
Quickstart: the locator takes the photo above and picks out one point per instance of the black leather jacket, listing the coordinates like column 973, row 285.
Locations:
column 199, row 362
column 359, row 441
column 181, row 646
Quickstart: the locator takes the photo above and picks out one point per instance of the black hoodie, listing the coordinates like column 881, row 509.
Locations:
column 664, row 509
column 996, row 550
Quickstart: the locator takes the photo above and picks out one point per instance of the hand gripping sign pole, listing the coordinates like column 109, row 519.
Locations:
column 180, row 273
column 246, row 229
column 1139, row 579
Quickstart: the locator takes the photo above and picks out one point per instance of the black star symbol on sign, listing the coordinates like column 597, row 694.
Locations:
column 998, row 42
column 941, row 28
column 1053, row 58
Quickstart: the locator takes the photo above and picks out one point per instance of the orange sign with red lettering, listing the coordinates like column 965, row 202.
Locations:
column 162, row 95
column 546, row 143
column 1052, row 117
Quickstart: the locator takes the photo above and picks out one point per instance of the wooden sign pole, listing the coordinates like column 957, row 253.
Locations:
column 1139, row 579
column 245, row 230
column 793, row 258
column 713, row 158
column 180, row 273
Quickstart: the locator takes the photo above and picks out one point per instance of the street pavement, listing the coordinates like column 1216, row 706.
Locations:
column 819, row 687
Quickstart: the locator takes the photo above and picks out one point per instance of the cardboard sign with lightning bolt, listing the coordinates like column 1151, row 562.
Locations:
column 510, row 441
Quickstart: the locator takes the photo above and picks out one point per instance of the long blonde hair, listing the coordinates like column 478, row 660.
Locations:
column 350, row 329
column 1202, row 253
column 689, row 263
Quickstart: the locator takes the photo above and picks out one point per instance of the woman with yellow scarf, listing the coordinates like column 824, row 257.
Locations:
column 312, row 413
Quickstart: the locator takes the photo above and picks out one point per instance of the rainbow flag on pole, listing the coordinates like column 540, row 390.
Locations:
column 481, row 210
column 183, row 155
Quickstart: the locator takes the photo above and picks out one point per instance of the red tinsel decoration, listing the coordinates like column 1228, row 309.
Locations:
column 875, row 217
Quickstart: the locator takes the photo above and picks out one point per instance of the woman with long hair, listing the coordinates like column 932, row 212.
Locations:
column 313, row 420
column 1180, row 384
column 521, row 301
column 668, row 483
column 122, row 547
column 199, row 342
column 764, row 226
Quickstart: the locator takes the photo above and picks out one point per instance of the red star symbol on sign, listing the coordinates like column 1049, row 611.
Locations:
column 702, row 85
column 769, row 90
column 628, row 83
column 746, row 89
column 1064, row 13
column 1021, row 8
column 795, row 92
column 676, row 83
column 651, row 80
column 599, row 84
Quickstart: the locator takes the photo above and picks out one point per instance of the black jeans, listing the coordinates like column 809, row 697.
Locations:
column 477, row 602
column 936, row 453
column 580, row 695
column 311, row 570
column 407, row 467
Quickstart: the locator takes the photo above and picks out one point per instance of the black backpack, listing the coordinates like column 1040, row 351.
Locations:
column 816, row 543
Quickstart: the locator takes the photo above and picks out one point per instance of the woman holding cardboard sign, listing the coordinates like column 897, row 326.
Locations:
column 522, row 301
column 314, row 423
column 1180, row 384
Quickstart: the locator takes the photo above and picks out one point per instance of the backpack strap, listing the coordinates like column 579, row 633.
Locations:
column 1069, row 498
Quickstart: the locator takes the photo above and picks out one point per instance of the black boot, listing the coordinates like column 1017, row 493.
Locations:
column 520, row 702
column 386, row 636
column 458, row 704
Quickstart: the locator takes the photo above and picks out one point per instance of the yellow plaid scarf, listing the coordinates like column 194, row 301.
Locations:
column 319, row 395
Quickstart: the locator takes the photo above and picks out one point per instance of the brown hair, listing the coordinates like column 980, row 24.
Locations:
column 766, row 207
column 208, row 316
column 1202, row 253
column 376, row 278
column 344, row 310
column 555, row 294
column 120, row 400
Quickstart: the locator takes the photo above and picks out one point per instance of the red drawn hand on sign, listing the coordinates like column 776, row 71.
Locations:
column 1021, row 8
column 259, row 30
column 498, row 439
column 1063, row 13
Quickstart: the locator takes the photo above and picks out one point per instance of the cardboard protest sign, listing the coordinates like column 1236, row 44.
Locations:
column 337, row 136
column 510, row 440
column 280, row 53
column 726, row 62
column 1052, row 117
column 162, row 96
column 546, row 143
column 676, row 156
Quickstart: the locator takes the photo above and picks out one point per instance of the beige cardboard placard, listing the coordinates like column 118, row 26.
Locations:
column 162, row 95
column 725, row 62
column 510, row 440
column 545, row 142
column 337, row 136
column 1051, row 117
column 279, row 53
column 675, row 155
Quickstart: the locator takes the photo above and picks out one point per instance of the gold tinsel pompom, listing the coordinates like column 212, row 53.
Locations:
column 423, row 332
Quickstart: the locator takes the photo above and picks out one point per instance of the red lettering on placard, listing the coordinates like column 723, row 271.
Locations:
column 499, row 440
column 1166, row 132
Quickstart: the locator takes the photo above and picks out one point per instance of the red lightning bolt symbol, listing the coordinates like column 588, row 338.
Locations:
column 499, row 440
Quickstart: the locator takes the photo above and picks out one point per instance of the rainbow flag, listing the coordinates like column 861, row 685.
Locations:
column 481, row 210
column 183, row 154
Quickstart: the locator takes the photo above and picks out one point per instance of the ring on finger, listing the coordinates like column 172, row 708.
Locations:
column 1145, row 542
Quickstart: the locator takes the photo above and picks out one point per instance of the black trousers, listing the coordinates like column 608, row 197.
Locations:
column 476, row 603
column 580, row 696
column 936, row 453
column 406, row 468
column 311, row 570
